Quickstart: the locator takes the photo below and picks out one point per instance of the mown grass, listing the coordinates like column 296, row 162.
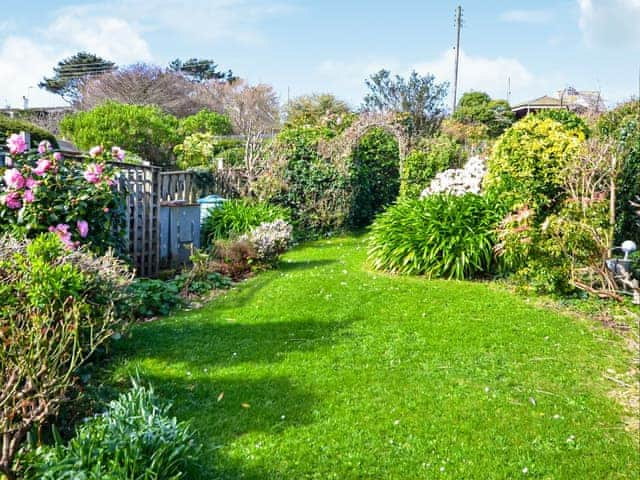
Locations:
column 324, row 369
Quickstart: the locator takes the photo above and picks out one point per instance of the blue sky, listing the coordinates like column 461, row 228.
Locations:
column 305, row 46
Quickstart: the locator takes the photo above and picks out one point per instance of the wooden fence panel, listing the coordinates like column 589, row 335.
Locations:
column 141, row 183
column 185, row 186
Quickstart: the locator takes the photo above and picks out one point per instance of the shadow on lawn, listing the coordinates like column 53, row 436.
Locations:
column 222, row 410
column 225, row 343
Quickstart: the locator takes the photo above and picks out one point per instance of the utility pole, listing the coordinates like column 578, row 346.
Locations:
column 509, row 90
column 455, row 72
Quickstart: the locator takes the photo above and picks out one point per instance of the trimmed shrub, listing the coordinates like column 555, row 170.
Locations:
column 143, row 129
column 432, row 156
column 527, row 162
column 206, row 121
column 374, row 176
column 10, row 126
column 570, row 120
column 440, row 236
column 237, row 217
column 134, row 438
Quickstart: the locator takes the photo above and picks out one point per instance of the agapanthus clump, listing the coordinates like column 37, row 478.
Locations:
column 77, row 201
column 270, row 240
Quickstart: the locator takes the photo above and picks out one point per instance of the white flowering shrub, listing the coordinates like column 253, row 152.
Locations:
column 270, row 239
column 458, row 181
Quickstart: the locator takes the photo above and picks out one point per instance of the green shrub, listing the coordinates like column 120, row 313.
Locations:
column 9, row 126
column 433, row 155
column 77, row 200
column 143, row 129
column 151, row 297
column 527, row 162
column 135, row 438
column 439, row 236
column 374, row 176
column 237, row 217
column 317, row 190
column 206, row 121
column 622, row 126
column 57, row 306
column 570, row 120
column 477, row 108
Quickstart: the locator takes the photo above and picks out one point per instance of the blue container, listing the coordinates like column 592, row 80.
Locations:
column 208, row 203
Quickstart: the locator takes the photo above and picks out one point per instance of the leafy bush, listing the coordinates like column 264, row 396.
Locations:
column 76, row 200
column 316, row 190
column 570, row 120
column 9, row 126
column 432, row 156
column 196, row 150
column 477, row 108
column 269, row 240
column 622, row 126
column 374, row 176
column 143, row 129
column 527, row 161
column 233, row 258
column 134, row 438
column 56, row 307
column 151, row 297
column 237, row 217
column 206, row 121
column 439, row 236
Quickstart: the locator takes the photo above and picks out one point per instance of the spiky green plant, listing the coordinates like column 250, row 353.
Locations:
column 439, row 236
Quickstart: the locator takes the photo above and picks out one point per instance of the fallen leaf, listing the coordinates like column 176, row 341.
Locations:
column 245, row 405
column 221, row 396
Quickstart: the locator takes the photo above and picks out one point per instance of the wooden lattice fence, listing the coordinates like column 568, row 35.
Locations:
column 189, row 186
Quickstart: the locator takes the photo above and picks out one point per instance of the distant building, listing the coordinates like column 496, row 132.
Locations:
column 568, row 99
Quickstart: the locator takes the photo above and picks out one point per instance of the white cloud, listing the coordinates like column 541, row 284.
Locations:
column 108, row 37
column 610, row 23
column 210, row 20
column 479, row 73
column 24, row 61
column 526, row 16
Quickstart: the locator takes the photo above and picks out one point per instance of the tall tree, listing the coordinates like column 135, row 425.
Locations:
column 142, row 84
column 70, row 72
column 421, row 98
column 201, row 70
column 314, row 109
column 478, row 108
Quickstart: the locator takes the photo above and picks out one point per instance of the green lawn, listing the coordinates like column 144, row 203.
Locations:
column 323, row 369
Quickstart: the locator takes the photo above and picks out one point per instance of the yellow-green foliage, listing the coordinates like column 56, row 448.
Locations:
column 526, row 163
column 196, row 150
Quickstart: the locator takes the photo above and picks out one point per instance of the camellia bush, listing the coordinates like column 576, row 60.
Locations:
column 439, row 236
column 78, row 201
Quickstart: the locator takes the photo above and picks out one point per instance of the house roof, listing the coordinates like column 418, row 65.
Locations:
column 544, row 101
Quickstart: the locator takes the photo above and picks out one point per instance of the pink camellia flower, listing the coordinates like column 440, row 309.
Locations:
column 105, row 209
column 118, row 153
column 16, row 144
column 83, row 228
column 44, row 146
column 93, row 172
column 28, row 196
column 31, row 183
column 57, row 156
column 42, row 166
column 12, row 200
column 62, row 231
column 95, row 151
column 13, row 178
